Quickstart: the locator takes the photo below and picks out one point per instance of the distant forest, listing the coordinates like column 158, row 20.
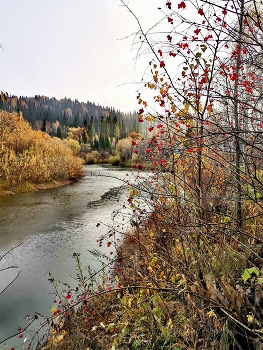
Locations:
column 57, row 117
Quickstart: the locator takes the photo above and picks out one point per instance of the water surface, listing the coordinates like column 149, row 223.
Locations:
column 51, row 225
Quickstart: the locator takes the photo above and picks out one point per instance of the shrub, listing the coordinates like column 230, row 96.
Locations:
column 114, row 160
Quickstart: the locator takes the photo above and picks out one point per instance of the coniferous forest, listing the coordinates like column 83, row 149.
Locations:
column 55, row 117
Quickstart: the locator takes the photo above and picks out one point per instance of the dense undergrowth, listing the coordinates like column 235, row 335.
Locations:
column 176, row 283
column 32, row 159
column 166, row 291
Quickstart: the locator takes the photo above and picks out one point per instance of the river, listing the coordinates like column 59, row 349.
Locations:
column 51, row 225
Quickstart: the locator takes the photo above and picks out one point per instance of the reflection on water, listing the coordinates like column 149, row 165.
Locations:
column 52, row 225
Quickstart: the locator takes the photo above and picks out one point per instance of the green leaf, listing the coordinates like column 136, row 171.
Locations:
column 249, row 272
column 110, row 326
column 254, row 270
column 245, row 275
column 124, row 330
column 260, row 280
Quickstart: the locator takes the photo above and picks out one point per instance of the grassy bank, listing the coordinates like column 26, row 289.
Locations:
column 165, row 291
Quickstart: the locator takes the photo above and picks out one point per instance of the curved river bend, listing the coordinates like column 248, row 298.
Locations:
column 52, row 225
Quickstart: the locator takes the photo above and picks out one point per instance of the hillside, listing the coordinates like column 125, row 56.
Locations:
column 55, row 116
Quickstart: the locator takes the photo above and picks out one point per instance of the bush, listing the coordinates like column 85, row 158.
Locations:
column 114, row 160
column 93, row 157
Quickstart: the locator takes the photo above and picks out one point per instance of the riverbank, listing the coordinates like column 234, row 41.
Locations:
column 166, row 291
column 31, row 159
column 169, row 285
column 32, row 187
column 28, row 187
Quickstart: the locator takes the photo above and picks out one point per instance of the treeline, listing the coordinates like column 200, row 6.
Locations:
column 31, row 159
column 55, row 117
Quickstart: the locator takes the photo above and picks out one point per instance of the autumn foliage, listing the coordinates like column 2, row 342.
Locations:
column 31, row 159
column 189, row 273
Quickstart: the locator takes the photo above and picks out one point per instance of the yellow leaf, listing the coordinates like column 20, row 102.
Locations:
column 211, row 313
column 250, row 318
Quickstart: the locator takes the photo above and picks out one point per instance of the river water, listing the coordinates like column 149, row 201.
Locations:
column 52, row 225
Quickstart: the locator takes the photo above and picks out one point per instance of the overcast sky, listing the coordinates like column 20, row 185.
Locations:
column 72, row 48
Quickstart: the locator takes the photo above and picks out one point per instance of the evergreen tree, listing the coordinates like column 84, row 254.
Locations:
column 91, row 131
column 44, row 126
column 65, row 120
column 60, row 132
column 116, row 129
column 123, row 132
column 96, row 143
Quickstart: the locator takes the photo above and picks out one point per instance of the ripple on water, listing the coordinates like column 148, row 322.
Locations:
column 52, row 225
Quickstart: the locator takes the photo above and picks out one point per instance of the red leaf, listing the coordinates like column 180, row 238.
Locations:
column 182, row 5
column 208, row 37
column 162, row 64
column 201, row 12
column 169, row 4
